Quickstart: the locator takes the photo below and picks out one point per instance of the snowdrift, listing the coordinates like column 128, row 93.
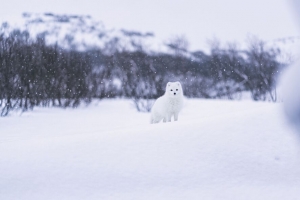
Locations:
column 217, row 150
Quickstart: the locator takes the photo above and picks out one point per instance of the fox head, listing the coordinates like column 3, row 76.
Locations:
column 174, row 89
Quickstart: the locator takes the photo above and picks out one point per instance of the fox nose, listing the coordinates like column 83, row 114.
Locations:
column 174, row 93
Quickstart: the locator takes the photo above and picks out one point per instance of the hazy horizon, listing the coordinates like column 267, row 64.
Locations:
column 230, row 21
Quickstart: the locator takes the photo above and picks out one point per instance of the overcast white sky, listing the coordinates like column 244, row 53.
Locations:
column 197, row 20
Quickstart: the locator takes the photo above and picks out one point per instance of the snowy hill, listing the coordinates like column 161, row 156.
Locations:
column 82, row 32
column 217, row 150
column 289, row 48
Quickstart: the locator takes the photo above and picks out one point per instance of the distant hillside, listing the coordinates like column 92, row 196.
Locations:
column 82, row 33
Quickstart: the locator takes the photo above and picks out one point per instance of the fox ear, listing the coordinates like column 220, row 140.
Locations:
column 168, row 84
column 178, row 83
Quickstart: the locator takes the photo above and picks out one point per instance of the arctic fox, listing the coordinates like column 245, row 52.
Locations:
column 169, row 104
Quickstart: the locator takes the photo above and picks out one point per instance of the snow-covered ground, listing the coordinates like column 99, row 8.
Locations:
column 217, row 150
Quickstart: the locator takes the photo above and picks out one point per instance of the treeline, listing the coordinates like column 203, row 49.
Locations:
column 33, row 73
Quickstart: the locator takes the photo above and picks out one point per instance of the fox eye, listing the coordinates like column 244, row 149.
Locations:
column 171, row 90
column 176, row 89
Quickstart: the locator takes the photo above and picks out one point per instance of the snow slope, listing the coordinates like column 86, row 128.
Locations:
column 81, row 32
column 217, row 150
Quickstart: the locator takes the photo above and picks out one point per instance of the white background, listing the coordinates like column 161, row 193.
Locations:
column 198, row 21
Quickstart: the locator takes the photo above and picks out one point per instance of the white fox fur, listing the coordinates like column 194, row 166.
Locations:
column 168, row 105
